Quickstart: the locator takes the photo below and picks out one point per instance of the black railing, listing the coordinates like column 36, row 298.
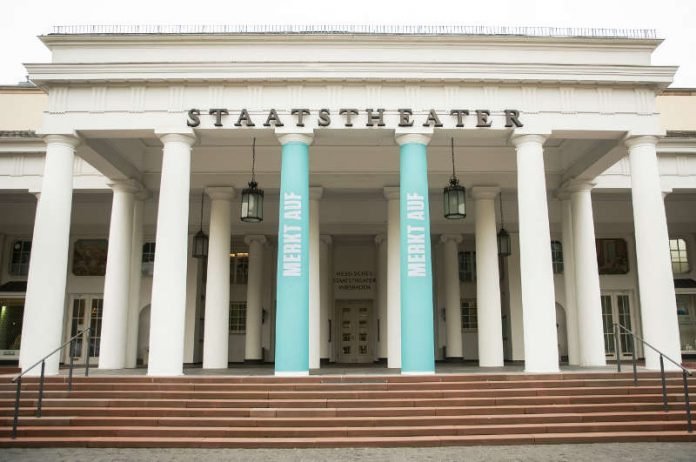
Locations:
column 42, row 361
column 685, row 372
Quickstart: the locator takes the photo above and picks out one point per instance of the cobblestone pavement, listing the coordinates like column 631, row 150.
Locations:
column 634, row 452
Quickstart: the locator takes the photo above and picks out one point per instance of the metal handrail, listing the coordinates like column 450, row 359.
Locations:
column 18, row 378
column 685, row 372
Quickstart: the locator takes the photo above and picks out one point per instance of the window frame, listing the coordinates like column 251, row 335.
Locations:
column 20, row 268
column 679, row 250
column 468, row 319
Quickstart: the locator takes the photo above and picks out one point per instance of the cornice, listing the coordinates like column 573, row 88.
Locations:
column 579, row 74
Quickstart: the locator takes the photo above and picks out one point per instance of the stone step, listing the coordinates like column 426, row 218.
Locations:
column 411, row 441
column 344, row 421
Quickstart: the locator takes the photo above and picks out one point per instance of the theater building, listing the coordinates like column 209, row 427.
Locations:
column 125, row 171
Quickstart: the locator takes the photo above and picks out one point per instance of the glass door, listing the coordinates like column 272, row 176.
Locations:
column 616, row 308
column 354, row 332
column 86, row 311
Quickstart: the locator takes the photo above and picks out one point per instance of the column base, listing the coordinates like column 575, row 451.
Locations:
column 291, row 373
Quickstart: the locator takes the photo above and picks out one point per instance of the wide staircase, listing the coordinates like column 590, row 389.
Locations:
column 341, row 411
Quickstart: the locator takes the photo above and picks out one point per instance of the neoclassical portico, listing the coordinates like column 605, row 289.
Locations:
column 361, row 183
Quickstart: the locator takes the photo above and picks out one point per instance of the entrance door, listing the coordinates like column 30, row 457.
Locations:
column 616, row 307
column 86, row 311
column 355, row 332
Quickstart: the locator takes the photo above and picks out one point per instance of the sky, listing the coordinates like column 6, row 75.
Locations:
column 674, row 20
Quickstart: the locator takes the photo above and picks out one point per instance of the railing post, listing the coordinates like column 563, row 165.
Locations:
column 635, row 361
column 687, row 403
column 15, row 420
column 664, row 382
column 87, row 357
column 72, row 364
column 617, row 349
column 41, row 389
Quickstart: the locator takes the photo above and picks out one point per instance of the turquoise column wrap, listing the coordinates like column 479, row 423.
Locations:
column 417, row 342
column 292, row 312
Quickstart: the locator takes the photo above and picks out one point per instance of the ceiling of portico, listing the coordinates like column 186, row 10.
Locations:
column 344, row 160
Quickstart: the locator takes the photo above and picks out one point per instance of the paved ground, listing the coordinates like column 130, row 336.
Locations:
column 648, row 452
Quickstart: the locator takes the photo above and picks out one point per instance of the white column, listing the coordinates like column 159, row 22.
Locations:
column 325, row 295
column 217, row 289
column 136, row 277
column 45, row 299
column 538, row 302
column 114, row 330
column 569, row 280
column 488, row 307
column 393, row 279
column 315, row 194
column 587, row 293
column 168, row 307
column 655, row 280
column 254, row 298
column 382, row 292
column 453, row 302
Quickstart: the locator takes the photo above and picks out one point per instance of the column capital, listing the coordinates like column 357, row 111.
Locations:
column 143, row 194
column 258, row 238
column 518, row 140
column 126, row 186
column 71, row 140
column 174, row 136
column 315, row 192
column 408, row 135
column 484, row 192
column 391, row 192
column 294, row 135
column 224, row 193
column 380, row 239
column 326, row 239
column 633, row 141
column 574, row 186
column 456, row 238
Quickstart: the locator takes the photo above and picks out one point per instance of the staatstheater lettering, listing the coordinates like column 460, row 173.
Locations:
column 350, row 117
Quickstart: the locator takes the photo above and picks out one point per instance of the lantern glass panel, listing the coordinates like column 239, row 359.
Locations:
column 200, row 245
column 504, row 243
column 252, row 205
column 454, row 202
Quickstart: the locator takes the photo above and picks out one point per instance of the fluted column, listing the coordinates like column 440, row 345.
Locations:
column 292, row 314
column 587, row 292
column 382, row 295
column 114, row 330
column 393, row 279
column 45, row 297
column 325, row 295
column 417, row 332
column 315, row 271
column 216, row 332
column 453, row 301
column 488, row 307
column 538, row 301
column 569, row 280
column 658, row 306
column 168, row 306
column 254, row 313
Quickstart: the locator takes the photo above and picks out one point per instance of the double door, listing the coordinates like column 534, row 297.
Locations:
column 617, row 308
column 355, row 331
column 85, row 311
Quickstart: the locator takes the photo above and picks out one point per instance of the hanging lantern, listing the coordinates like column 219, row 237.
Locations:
column 454, row 195
column 504, row 243
column 252, row 197
column 200, row 240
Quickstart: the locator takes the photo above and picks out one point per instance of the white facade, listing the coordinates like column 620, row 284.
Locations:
column 593, row 168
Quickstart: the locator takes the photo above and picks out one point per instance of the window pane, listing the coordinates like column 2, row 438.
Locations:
column 557, row 256
column 467, row 266
column 468, row 312
column 19, row 262
column 680, row 260
column 237, row 317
